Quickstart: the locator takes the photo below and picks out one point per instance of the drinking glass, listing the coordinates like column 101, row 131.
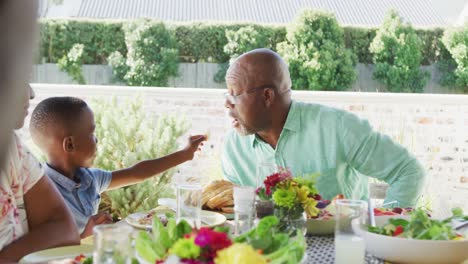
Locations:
column 244, row 197
column 351, row 216
column 264, row 170
column 188, row 199
column 112, row 244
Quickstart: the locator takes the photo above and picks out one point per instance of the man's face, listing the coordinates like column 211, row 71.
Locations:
column 85, row 141
column 246, row 108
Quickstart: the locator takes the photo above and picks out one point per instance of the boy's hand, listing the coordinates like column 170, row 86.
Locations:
column 194, row 143
column 97, row 219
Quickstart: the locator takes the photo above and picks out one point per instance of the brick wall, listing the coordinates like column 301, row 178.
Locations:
column 433, row 127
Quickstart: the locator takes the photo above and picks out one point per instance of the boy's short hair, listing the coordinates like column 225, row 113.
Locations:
column 57, row 111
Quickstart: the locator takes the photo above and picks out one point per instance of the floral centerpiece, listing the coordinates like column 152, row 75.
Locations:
column 179, row 243
column 292, row 197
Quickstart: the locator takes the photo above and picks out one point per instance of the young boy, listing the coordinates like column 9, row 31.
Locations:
column 63, row 128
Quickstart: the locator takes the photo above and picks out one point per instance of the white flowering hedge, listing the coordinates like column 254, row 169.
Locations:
column 128, row 134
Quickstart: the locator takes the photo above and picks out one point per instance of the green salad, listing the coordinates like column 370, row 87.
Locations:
column 262, row 244
column 421, row 226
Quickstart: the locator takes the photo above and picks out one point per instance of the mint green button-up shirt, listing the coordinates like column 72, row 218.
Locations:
column 337, row 144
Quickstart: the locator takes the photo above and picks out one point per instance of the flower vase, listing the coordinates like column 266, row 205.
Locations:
column 264, row 208
column 291, row 221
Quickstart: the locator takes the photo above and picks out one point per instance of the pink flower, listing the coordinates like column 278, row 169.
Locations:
column 192, row 261
column 212, row 239
column 272, row 180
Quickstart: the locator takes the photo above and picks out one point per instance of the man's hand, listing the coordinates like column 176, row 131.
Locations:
column 194, row 143
column 97, row 219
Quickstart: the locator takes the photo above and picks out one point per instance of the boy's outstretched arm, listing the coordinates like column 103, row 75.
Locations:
column 148, row 168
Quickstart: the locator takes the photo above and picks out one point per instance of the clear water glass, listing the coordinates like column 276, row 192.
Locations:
column 264, row 170
column 188, row 199
column 112, row 244
column 351, row 217
column 244, row 197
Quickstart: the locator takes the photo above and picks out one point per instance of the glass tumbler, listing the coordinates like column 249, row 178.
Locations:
column 351, row 216
column 188, row 199
column 112, row 244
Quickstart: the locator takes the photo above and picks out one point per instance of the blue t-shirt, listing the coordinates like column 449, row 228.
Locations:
column 82, row 197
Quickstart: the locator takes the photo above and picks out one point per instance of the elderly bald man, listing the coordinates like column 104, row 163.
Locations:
column 269, row 127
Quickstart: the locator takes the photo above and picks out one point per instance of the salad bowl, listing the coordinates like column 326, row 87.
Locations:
column 408, row 250
column 325, row 223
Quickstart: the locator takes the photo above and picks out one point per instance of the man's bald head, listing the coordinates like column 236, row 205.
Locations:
column 259, row 67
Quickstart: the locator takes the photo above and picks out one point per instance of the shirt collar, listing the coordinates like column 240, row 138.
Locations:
column 67, row 183
column 293, row 123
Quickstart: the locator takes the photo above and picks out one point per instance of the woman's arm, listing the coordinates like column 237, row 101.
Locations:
column 50, row 222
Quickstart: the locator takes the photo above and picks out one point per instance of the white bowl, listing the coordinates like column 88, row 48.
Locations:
column 405, row 250
column 320, row 227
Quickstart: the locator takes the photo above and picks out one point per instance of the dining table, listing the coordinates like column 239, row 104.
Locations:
column 321, row 249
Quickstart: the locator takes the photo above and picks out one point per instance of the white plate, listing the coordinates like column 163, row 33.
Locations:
column 59, row 253
column 208, row 218
column 405, row 250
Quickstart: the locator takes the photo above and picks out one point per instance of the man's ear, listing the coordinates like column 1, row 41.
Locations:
column 269, row 95
column 68, row 144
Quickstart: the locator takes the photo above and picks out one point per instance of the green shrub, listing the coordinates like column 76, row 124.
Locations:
column 245, row 39
column 397, row 56
column 127, row 135
column 72, row 62
column 431, row 45
column 152, row 56
column 315, row 52
column 456, row 42
column 99, row 38
column 447, row 66
column 358, row 40
column 201, row 42
column 205, row 41
column 198, row 41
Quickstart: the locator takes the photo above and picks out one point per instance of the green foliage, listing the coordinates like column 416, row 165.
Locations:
column 446, row 66
column 456, row 42
column 72, row 62
column 245, row 39
column 198, row 41
column 205, row 41
column 397, row 56
column 99, row 38
column 316, row 54
column 152, row 55
column 431, row 45
column 248, row 38
column 358, row 40
column 202, row 42
column 126, row 136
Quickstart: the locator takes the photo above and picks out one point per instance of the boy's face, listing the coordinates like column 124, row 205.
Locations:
column 85, row 141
